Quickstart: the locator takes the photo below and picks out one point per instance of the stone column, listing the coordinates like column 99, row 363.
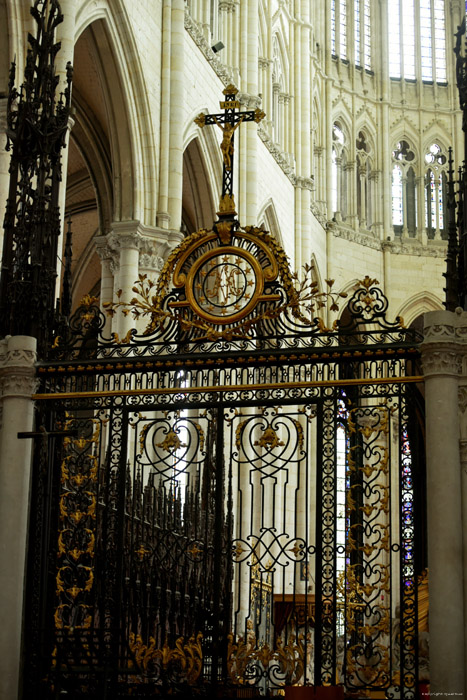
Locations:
column 444, row 347
column 177, row 107
column 363, row 184
column 18, row 383
column 109, row 268
column 463, row 460
column 350, row 171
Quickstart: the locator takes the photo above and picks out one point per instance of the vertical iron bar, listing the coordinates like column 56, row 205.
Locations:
column 319, row 548
column 217, row 638
column 451, row 274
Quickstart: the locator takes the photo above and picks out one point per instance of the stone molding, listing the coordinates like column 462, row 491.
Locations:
column 285, row 161
column 395, row 247
column 17, row 367
column 225, row 73
column 318, row 214
column 349, row 234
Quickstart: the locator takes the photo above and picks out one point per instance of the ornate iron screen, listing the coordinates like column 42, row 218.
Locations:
column 232, row 509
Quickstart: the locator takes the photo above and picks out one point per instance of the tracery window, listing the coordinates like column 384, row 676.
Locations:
column 404, row 193
column 417, row 24
column 338, row 172
column 435, row 191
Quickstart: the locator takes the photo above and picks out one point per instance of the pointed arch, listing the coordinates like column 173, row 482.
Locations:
column 198, row 200
column 269, row 220
column 316, row 274
column 202, row 175
column 418, row 304
column 263, row 35
column 133, row 134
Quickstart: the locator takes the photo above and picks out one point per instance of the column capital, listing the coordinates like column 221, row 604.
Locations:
column 108, row 254
column 249, row 101
column 17, row 366
column 444, row 348
column 441, row 361
column 152, row 243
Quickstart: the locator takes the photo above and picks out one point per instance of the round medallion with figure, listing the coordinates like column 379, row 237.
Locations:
column 224, row 284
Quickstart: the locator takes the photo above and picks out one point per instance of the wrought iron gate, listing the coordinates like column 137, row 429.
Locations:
column 230, row 507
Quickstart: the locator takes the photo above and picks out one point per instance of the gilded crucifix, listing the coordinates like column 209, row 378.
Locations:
column 228, row 122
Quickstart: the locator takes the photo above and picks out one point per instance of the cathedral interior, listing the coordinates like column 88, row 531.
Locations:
column 233, row 355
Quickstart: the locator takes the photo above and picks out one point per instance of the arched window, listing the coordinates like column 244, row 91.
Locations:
column 338, row 172
column 339, row 28
column 363, row 181
column 417, row 28
column 404, row 194
column 435, row 192
column 362, row 33
column 341, row 17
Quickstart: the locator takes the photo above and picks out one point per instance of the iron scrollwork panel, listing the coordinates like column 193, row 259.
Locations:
column 175, row 566
column 271, row 463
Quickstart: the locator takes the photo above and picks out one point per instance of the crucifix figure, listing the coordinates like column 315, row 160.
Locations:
column 228, row 122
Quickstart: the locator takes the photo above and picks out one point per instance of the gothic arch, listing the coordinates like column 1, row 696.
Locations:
column 127, row 96
column 411, row 137
column 316, row 274
column 267, row 218
column 263, row 38
column 202, row 175
column 198, row 203
column 419, row 304
column 278, row 40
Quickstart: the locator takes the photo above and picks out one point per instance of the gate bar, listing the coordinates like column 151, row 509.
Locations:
column 225, row 388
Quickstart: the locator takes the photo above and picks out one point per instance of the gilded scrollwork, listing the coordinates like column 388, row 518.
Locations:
column 77, row 531
column 245, row 655
column 184, row 661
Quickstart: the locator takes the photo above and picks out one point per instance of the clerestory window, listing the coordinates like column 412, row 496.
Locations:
column 417, row 43
column 341, row 17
